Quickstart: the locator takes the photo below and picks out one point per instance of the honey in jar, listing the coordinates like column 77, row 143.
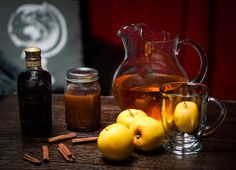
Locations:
column 82, row 99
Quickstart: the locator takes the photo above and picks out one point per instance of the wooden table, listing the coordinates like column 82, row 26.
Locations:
column 219, row 148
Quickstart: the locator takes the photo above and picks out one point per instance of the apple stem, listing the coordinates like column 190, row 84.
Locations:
column 185, row 104
column 131, row 114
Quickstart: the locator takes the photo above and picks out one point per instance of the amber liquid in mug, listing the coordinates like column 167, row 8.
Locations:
column 130, row 91
column 82, row 112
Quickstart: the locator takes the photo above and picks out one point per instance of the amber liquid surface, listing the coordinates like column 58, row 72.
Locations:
column 34, row 98
column 83, row 113
column 133, row 91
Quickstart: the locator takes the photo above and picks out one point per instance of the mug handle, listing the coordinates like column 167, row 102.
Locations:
column 211, row 128
column 203, row 59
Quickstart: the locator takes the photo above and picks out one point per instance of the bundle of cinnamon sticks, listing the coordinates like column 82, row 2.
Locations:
column 62, row 148
column 66, row 153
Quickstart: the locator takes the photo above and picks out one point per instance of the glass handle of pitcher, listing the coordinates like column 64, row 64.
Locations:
column 203, row 59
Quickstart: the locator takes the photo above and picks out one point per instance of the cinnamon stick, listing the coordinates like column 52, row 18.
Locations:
column 66, row 153
column 84, row 139
column 62, row 137
column 45, row 153
column 31, row 159
column 65, row 149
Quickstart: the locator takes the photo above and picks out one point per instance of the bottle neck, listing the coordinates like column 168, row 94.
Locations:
column 33, row 57
column 33, row 63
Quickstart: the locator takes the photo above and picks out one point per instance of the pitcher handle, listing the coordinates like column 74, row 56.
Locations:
column 203, row 59
column 211, row 128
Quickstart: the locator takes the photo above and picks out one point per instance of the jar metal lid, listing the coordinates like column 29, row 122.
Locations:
column 82, row 75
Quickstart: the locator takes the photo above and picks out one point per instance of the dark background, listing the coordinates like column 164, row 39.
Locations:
column 211, row 23
column 93, row 24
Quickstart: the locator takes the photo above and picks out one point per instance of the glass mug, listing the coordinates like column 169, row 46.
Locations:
column 184, row 116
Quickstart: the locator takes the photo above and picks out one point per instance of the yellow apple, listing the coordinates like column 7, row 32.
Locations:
column 186, row 116
column 115, row 142
column 148, row 133
column 127, row 117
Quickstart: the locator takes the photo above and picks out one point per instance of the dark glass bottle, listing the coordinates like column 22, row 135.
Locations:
column 34, row 96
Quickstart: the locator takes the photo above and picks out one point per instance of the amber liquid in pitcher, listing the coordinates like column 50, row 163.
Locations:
column 134, row 91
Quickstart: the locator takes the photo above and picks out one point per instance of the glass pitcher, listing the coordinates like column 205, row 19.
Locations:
column 150, row 61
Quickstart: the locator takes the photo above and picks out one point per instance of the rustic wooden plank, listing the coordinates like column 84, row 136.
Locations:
column 219, row 148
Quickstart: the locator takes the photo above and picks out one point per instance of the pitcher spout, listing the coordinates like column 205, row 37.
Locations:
column 131, row 30
column 131, row 37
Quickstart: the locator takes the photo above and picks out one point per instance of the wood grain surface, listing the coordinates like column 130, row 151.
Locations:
column 219, row 148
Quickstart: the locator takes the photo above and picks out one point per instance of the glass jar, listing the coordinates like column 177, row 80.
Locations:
column 82, row 99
